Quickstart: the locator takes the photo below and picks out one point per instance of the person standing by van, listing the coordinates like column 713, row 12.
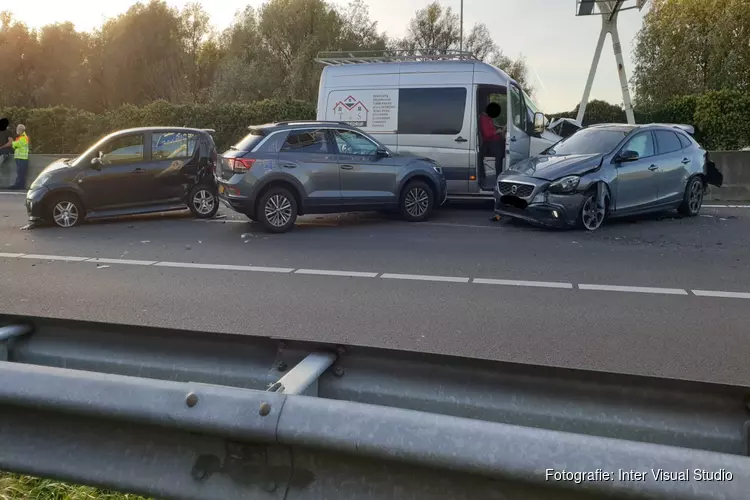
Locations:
column 493, row 140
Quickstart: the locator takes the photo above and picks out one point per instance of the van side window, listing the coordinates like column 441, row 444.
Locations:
column 431, row 111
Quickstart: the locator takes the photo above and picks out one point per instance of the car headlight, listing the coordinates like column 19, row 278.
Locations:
column 39, row 181
column 565, row 185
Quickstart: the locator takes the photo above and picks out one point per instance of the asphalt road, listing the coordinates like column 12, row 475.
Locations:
column 660, row 296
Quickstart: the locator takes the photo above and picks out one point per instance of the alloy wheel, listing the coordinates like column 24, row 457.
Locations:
column 695, row 199
column 417, row 202
column 278, row 210
column 65, row 214
column 204, row 202
column 592, row 214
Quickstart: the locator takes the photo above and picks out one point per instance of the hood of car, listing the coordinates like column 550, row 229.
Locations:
column 57, row 165
column 553, row 167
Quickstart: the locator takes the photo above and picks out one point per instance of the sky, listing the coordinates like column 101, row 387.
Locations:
column 557, row 44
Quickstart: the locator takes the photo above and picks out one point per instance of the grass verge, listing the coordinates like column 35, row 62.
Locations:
column 15, row 487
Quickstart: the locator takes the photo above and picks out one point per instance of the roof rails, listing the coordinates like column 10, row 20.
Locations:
column 386, row 56
column 689, row 129
column 292, row 122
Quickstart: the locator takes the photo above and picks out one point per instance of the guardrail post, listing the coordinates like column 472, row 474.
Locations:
column 11, row 332
column 304, row 374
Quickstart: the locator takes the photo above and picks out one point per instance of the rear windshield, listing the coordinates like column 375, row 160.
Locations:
column 249, row 141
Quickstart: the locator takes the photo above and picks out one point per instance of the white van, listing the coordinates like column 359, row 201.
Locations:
column 430, row 106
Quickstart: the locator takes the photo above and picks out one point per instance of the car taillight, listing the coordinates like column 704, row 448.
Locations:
column 241, row 165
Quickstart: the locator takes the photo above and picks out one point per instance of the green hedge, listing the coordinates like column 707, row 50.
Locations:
column 64, row 130
column 721, row 118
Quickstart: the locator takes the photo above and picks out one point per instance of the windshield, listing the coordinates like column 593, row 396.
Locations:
column 588, row 141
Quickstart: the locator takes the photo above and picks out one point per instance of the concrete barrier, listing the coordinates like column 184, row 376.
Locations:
column 735, row 165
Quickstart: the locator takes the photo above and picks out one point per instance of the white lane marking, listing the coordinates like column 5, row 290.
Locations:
column 323, row 272
column 634, row 289
column 15, row 193
column 725, row 295
column 419, row 277
column 415, row 277
column 124, row 261
column 726, row 206
column 54, row 257
column 225, row 267
column 540, row 284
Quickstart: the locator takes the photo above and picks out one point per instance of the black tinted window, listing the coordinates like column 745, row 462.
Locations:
column 352, row 143
column 305, row 141
column 248, row 142
column 123, row 150
column 684, row 141
column 431, row 111
column 169, row 145
column 642, row 143
column 668, row 141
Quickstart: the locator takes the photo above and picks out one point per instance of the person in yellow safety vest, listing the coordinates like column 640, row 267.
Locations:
column 21, row 151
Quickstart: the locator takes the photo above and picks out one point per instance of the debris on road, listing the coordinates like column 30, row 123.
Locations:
column 220, row 216
column 146, row 241
column 101, row 266
column 246, row 236
column 188, row 247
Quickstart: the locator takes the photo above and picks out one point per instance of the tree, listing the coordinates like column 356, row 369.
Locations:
column 19, row 52
column 692, row 46
column 139, row 56
column 359, row 31
column 515, row 68
column 201, row 50
column 61, row 75
column 435, row 30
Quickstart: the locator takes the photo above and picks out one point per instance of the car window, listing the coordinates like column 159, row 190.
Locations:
column 667, row 141
column 125, row 149
column 353, row 143
column 642, row 143
column 431, row 111
column 170, row 145
column 518, row 108
column 588, row 141
column 684, row 141
column 306, row 141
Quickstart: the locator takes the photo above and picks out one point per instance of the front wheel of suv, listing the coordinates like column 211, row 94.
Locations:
column 277, row 210
column 417, row 202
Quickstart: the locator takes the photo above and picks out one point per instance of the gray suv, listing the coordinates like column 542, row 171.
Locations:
column 281, row 170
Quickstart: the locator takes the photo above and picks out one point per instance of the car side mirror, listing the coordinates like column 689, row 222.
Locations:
column 539, row 122
column 627, row 156
column 96, row 163
column 382, row 153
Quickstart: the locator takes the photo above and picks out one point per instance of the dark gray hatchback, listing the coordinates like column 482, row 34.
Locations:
column 282, row 170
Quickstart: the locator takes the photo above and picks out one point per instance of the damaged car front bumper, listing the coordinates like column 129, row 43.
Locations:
column 547, row 209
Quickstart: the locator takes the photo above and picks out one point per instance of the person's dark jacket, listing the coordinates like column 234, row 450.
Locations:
column 5, row 134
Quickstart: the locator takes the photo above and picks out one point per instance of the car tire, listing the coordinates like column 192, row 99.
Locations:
column 692, row 200
column 591, row 217
column 65, row 210
column 417, row 202
column 277, row 210
column 203, row 201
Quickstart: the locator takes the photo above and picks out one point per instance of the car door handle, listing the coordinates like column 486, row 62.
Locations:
column 513, row 139
column 139, row 170
column 685, row 161
column 289, row 165
column 460, row 139
column 653, row 167
column 347, row 167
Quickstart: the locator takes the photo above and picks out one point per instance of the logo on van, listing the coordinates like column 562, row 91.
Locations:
column 352, row 111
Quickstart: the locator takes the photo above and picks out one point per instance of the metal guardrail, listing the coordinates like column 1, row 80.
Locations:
column 177, row 414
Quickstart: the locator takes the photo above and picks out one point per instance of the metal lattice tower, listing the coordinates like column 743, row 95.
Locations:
column 609, row 10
